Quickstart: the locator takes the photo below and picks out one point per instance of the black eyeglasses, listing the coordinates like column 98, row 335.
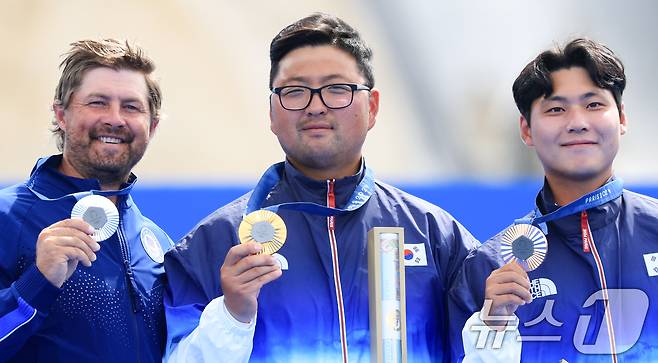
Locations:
column 334, row 96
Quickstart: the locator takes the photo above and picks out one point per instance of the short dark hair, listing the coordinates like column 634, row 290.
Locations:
column 603, row 66
column 321, row 29
column 86, row 55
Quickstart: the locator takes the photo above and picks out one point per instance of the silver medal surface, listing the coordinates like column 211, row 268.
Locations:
column 100, row 213
column 525, row 244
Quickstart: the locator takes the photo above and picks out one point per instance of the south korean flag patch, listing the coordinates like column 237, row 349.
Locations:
column 651, row 261
column 414, row 254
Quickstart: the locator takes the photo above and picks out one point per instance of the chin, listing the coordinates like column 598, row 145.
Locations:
column 582, row 175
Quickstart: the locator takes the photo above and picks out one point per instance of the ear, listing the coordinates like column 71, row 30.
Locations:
column 373, row 107
column 526, row 134
column 272, row 115
column 59, row 111
column 154, row 126
column 623, row 121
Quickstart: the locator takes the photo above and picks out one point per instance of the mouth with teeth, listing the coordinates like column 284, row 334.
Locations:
column 110, row 140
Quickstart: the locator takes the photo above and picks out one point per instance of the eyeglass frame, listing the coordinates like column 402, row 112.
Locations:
column 353, row 86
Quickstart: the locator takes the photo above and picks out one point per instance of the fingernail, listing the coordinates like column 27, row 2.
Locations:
column 93, row 257
column 90, row 230
column 95, row 247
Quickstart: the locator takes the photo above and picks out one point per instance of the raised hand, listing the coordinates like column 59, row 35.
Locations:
column 61, row 246
column 507, row 288
column 242, row 276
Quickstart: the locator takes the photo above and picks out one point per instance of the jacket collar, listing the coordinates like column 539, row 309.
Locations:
column 570, row 225
column 46, row 179
column 305, row 189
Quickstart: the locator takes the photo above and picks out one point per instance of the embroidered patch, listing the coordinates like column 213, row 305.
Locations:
column 651, row 261
column 542, row 287
column 414, row 254
column 151, row 245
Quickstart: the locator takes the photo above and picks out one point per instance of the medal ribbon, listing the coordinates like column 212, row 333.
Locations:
column 272, row 176
column 77, row 195
column 609, row 191
column 80, row 195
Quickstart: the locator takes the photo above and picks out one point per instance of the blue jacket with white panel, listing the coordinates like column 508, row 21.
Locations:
column 306, row 315
column 567, row 317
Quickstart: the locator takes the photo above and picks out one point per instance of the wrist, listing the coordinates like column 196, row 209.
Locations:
column 242, row 316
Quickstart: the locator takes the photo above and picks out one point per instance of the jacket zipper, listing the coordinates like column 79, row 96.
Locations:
column 331, row 226
column 131, row 286
column 589, row 244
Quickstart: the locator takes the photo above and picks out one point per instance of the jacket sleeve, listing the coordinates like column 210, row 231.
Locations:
column 24, row 305
column 485, row 345
column 218, row 337
column 25, row 294
column 466, row 292
column 199, row 328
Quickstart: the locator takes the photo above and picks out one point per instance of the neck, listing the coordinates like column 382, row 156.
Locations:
column 566, row 191
column 321, row 174
column 68, row 169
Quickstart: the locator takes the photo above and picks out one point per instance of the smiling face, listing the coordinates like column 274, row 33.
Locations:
column 107, row 125
column 322, row 143
column 576, row 130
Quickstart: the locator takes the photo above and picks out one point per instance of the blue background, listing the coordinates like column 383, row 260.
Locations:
column 484, row 209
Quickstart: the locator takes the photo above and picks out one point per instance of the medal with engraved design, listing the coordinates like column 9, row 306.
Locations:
column 100, row 213
column 264, row 227
column 525, row 244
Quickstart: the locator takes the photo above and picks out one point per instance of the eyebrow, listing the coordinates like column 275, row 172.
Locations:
column 306, row 80
column 106, row 97
column 583, row 97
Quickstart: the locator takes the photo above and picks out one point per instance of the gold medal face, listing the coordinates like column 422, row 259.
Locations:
column 264, row 227
column 525, row 244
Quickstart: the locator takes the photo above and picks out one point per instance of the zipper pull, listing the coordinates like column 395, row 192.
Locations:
column 586, row 232
column 331, row 202
column 132, row 288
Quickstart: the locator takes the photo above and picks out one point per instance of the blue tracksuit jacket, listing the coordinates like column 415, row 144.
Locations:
column 625, row 234
column 109, row 312
column 298, row 314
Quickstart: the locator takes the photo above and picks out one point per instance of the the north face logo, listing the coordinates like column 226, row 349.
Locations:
column 542, row 287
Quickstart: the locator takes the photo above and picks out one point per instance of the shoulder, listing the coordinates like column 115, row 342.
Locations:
column 15, row 202
column 159, row 232
column 490, row 249
column 439, row 224
column 640, row 199
column 640, row 204
column 393, row 197
column 230, row 213
column 217, row 224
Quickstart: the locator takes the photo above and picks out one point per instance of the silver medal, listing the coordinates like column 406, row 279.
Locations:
column 100, row 213
column 525, row 244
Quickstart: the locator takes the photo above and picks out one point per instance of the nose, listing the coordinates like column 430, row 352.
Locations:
column 113, row 117
column 578, row 121
column 316, row 106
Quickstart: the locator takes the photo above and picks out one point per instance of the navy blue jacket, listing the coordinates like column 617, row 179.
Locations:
column 109, row 312
column 298, row 314
column 625, row 234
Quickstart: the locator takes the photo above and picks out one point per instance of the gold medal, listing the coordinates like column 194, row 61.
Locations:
column 525, row 244
column 264, row 227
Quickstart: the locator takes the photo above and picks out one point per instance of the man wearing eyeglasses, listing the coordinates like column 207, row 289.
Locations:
column 308, row 302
